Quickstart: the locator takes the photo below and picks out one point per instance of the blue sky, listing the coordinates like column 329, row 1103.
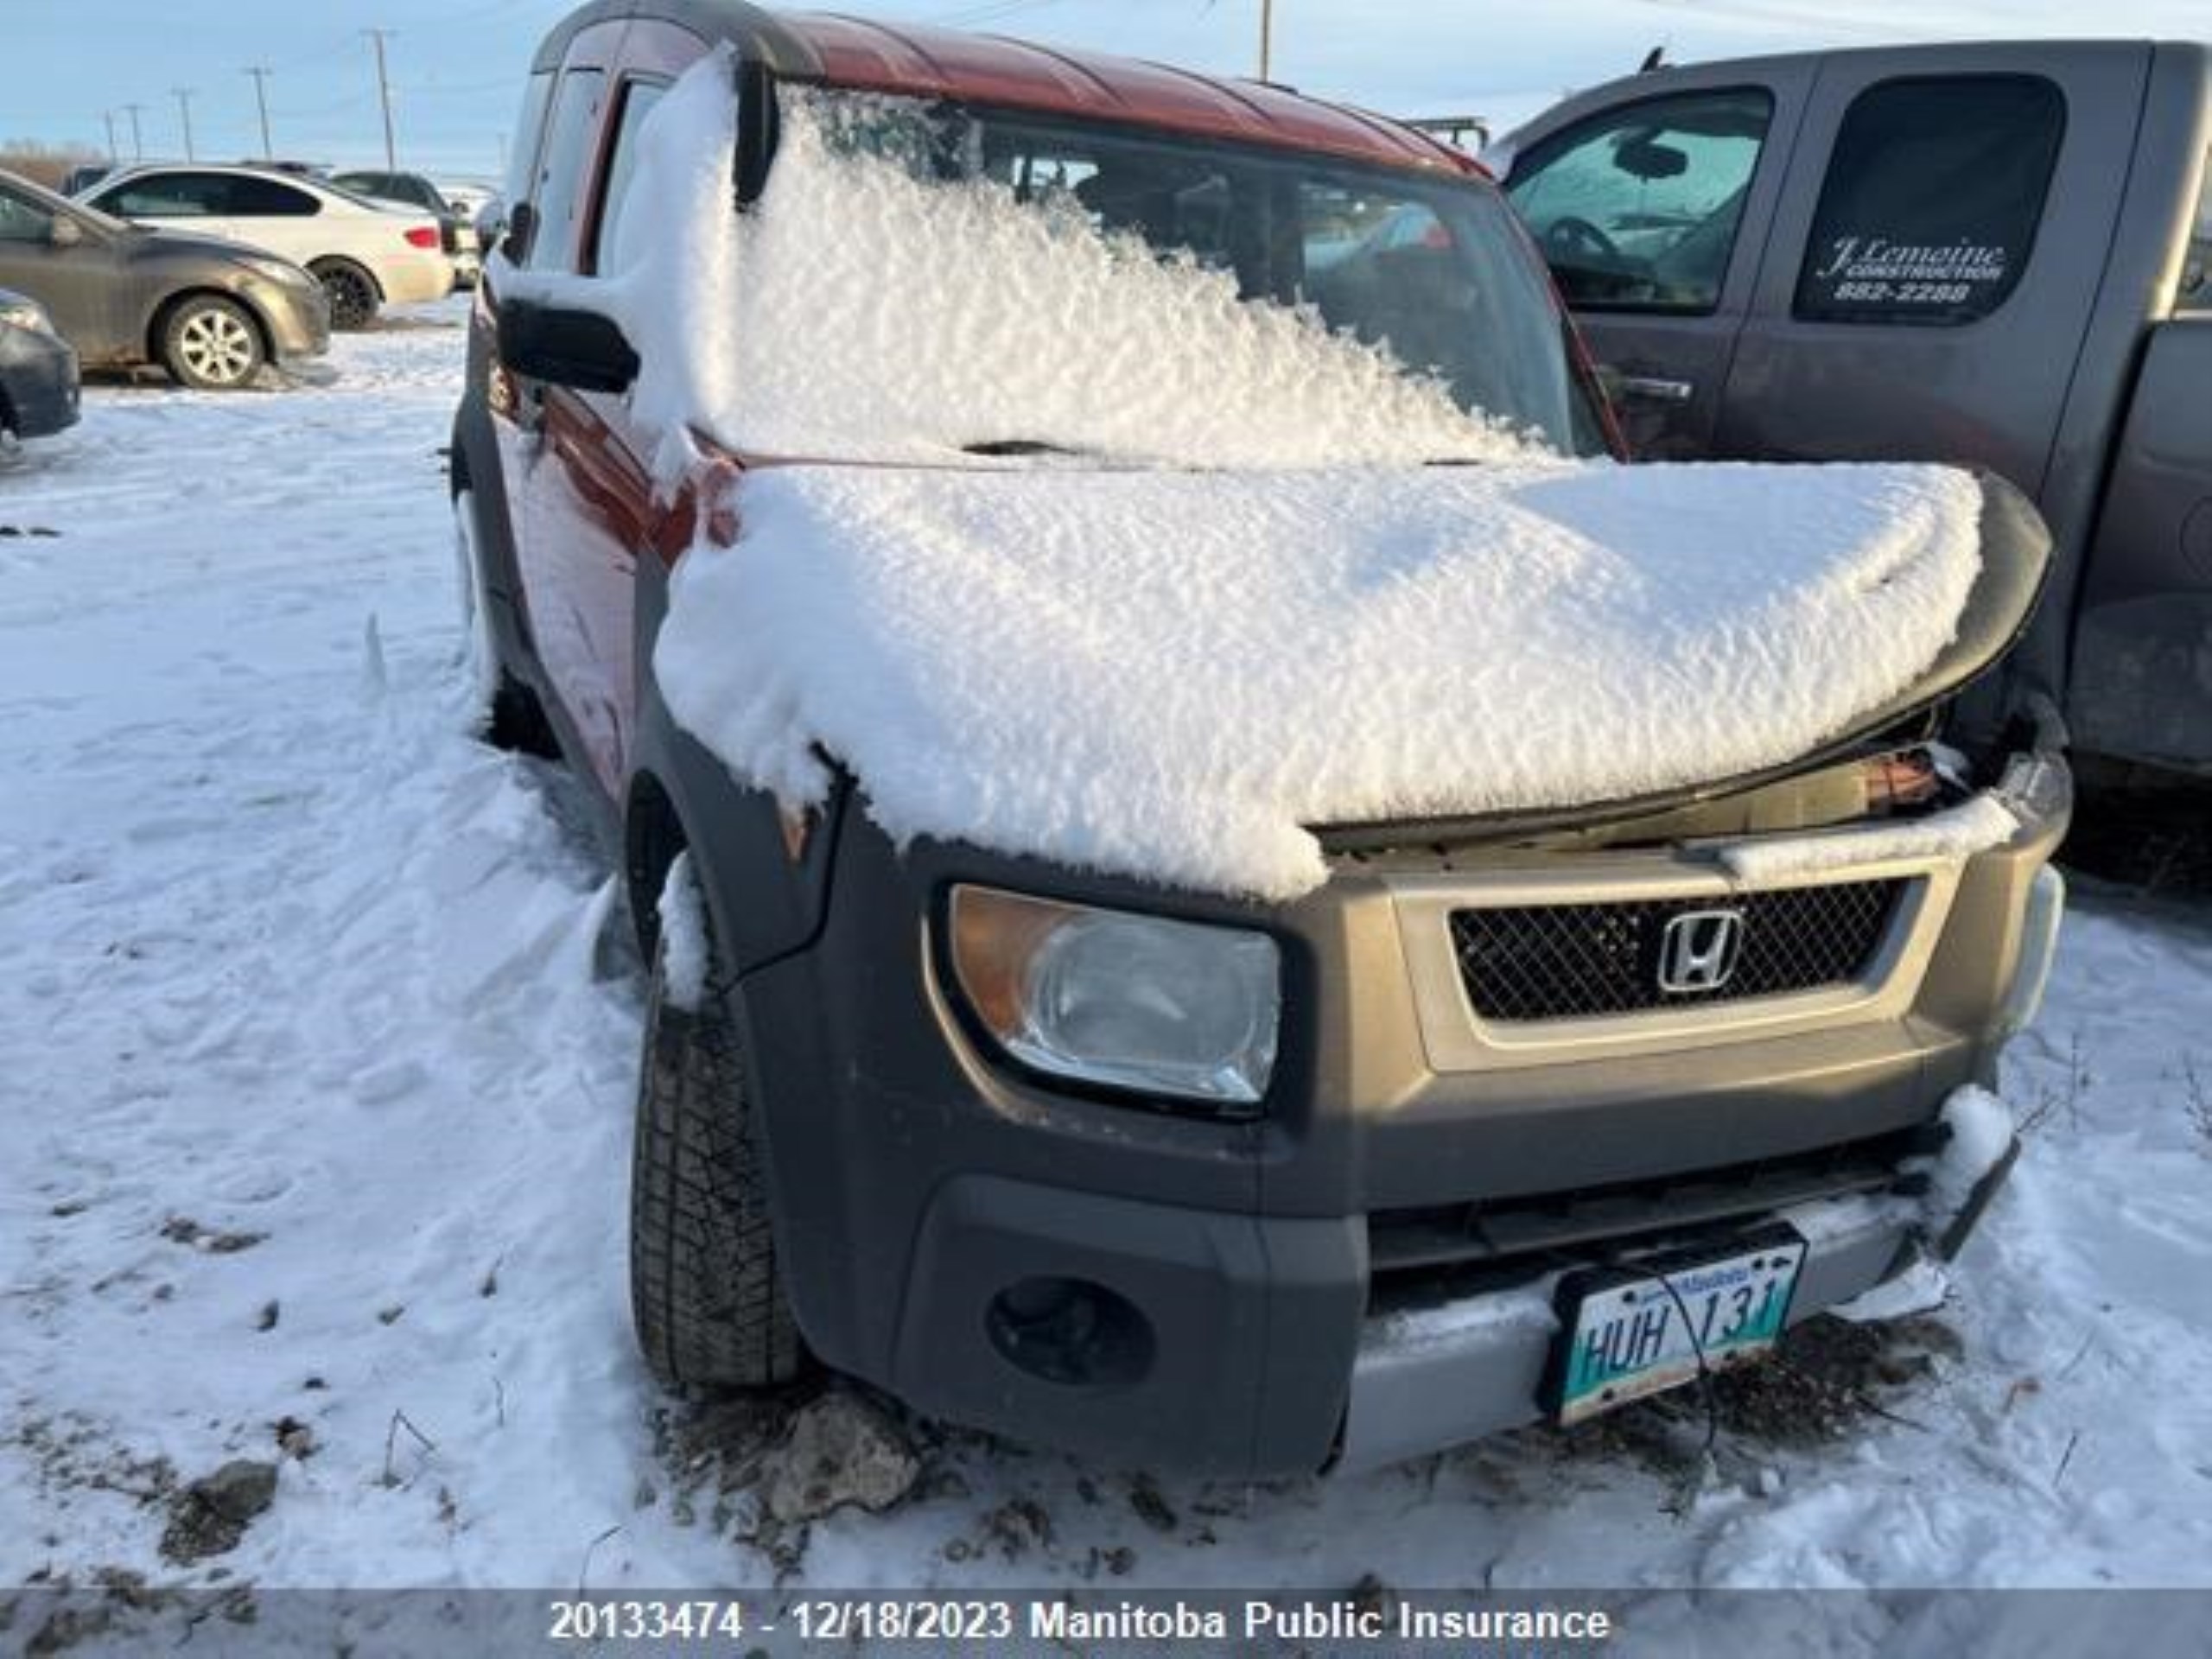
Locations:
column 456, row 66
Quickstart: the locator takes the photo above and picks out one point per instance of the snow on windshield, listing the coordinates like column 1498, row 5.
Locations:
column 857, row 312
column 1170, row 675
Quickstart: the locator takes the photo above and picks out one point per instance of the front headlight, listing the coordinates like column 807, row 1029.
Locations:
column 280, row 272
column 25, row 313
column 1111, row 997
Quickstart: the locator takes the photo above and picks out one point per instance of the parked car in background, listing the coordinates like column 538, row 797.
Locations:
column 38, row 371
column 210, row 312
column 1995, row 255
column 467, row 196
column 365, row 254
column 457, row 227
column 84, row 176
column 1157, row 1170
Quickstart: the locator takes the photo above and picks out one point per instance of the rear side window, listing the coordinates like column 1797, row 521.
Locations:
column 267, row 198
column 638, row 101
column 1636, row 209
column 1929, row 209
column 558, row 197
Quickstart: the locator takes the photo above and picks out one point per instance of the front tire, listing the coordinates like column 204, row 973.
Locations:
column 706, row 1290
column 351, row 290
column 212, row 345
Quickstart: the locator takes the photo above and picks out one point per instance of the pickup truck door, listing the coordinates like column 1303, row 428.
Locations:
column 1936, row 258
column 1649, row 200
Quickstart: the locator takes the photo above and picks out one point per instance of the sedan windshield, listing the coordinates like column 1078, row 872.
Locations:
column 1429, row 267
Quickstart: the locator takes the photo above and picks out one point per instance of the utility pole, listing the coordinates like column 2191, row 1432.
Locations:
column 108, row 116
column 137, row 146
column 183, row 95
column 383, row 95
column 261, row 98
column 1267, row 36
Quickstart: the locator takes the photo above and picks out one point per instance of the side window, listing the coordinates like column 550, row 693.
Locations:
column 557, row 196
column 24, row 221
column 530, row 127
column 2196, row 268
column 267, row 198
column 170, row 195
column 1933, row 194
column 1636, row 209
column 638, row 100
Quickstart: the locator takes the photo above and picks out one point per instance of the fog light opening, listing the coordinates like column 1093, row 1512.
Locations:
column 1070, row 1331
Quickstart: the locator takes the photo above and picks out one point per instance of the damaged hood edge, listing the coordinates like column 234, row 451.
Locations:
column 2015, row 569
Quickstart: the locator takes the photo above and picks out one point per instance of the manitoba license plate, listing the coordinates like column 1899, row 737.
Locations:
column 1636, row 1331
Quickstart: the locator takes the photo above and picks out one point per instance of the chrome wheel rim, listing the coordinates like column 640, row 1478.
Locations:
column 216, row 346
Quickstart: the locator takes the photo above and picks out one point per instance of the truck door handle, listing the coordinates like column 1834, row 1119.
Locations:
column 1651, row 388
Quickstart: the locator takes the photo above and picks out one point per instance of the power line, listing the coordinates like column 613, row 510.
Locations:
column 108, row 116
column 138, row 145
column 991, row 13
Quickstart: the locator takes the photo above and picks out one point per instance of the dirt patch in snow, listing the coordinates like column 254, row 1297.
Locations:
column 1826, row 1380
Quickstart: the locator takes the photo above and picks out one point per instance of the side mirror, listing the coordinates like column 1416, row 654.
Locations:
column 66, row 231
column 581, row 350
column 515, row 236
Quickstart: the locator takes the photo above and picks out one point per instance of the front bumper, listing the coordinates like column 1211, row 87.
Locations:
column 38, row 382
column 1261, row 1297
column 296, row 314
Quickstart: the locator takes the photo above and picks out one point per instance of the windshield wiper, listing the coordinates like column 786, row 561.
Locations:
column 1017, row 447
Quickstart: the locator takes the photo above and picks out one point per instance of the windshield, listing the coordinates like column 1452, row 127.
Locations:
column 1429, row 268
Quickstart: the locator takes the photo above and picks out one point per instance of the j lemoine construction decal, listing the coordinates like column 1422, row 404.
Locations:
column 1855, row 274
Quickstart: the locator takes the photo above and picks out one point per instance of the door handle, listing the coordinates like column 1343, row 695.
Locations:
column 1652, row 389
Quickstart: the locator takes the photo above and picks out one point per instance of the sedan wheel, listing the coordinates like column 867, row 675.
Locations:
column 352, row 293
column 212, row 345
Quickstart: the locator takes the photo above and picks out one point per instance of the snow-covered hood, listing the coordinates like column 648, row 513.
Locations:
column 1172, row 675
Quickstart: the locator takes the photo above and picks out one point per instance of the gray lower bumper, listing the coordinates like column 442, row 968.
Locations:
column 1451, row 1373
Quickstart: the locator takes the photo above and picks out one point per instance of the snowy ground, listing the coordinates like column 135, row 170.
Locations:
column 317, row 1088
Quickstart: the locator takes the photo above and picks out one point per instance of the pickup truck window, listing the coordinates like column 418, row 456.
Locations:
column 1636, row 209
column 1933, row 195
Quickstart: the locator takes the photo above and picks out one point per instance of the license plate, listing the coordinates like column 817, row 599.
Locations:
column 1636, row 1331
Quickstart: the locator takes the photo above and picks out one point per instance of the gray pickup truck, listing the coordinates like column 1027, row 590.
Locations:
column 1997, row 254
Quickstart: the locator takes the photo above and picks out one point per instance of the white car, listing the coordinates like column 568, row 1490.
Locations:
column 366, row 253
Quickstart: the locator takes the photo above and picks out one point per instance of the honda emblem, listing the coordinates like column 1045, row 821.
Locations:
column 1699, row 950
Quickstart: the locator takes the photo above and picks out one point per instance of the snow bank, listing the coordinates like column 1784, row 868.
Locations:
column 1971, row 827
column 860, row 312
column 1170, row 675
